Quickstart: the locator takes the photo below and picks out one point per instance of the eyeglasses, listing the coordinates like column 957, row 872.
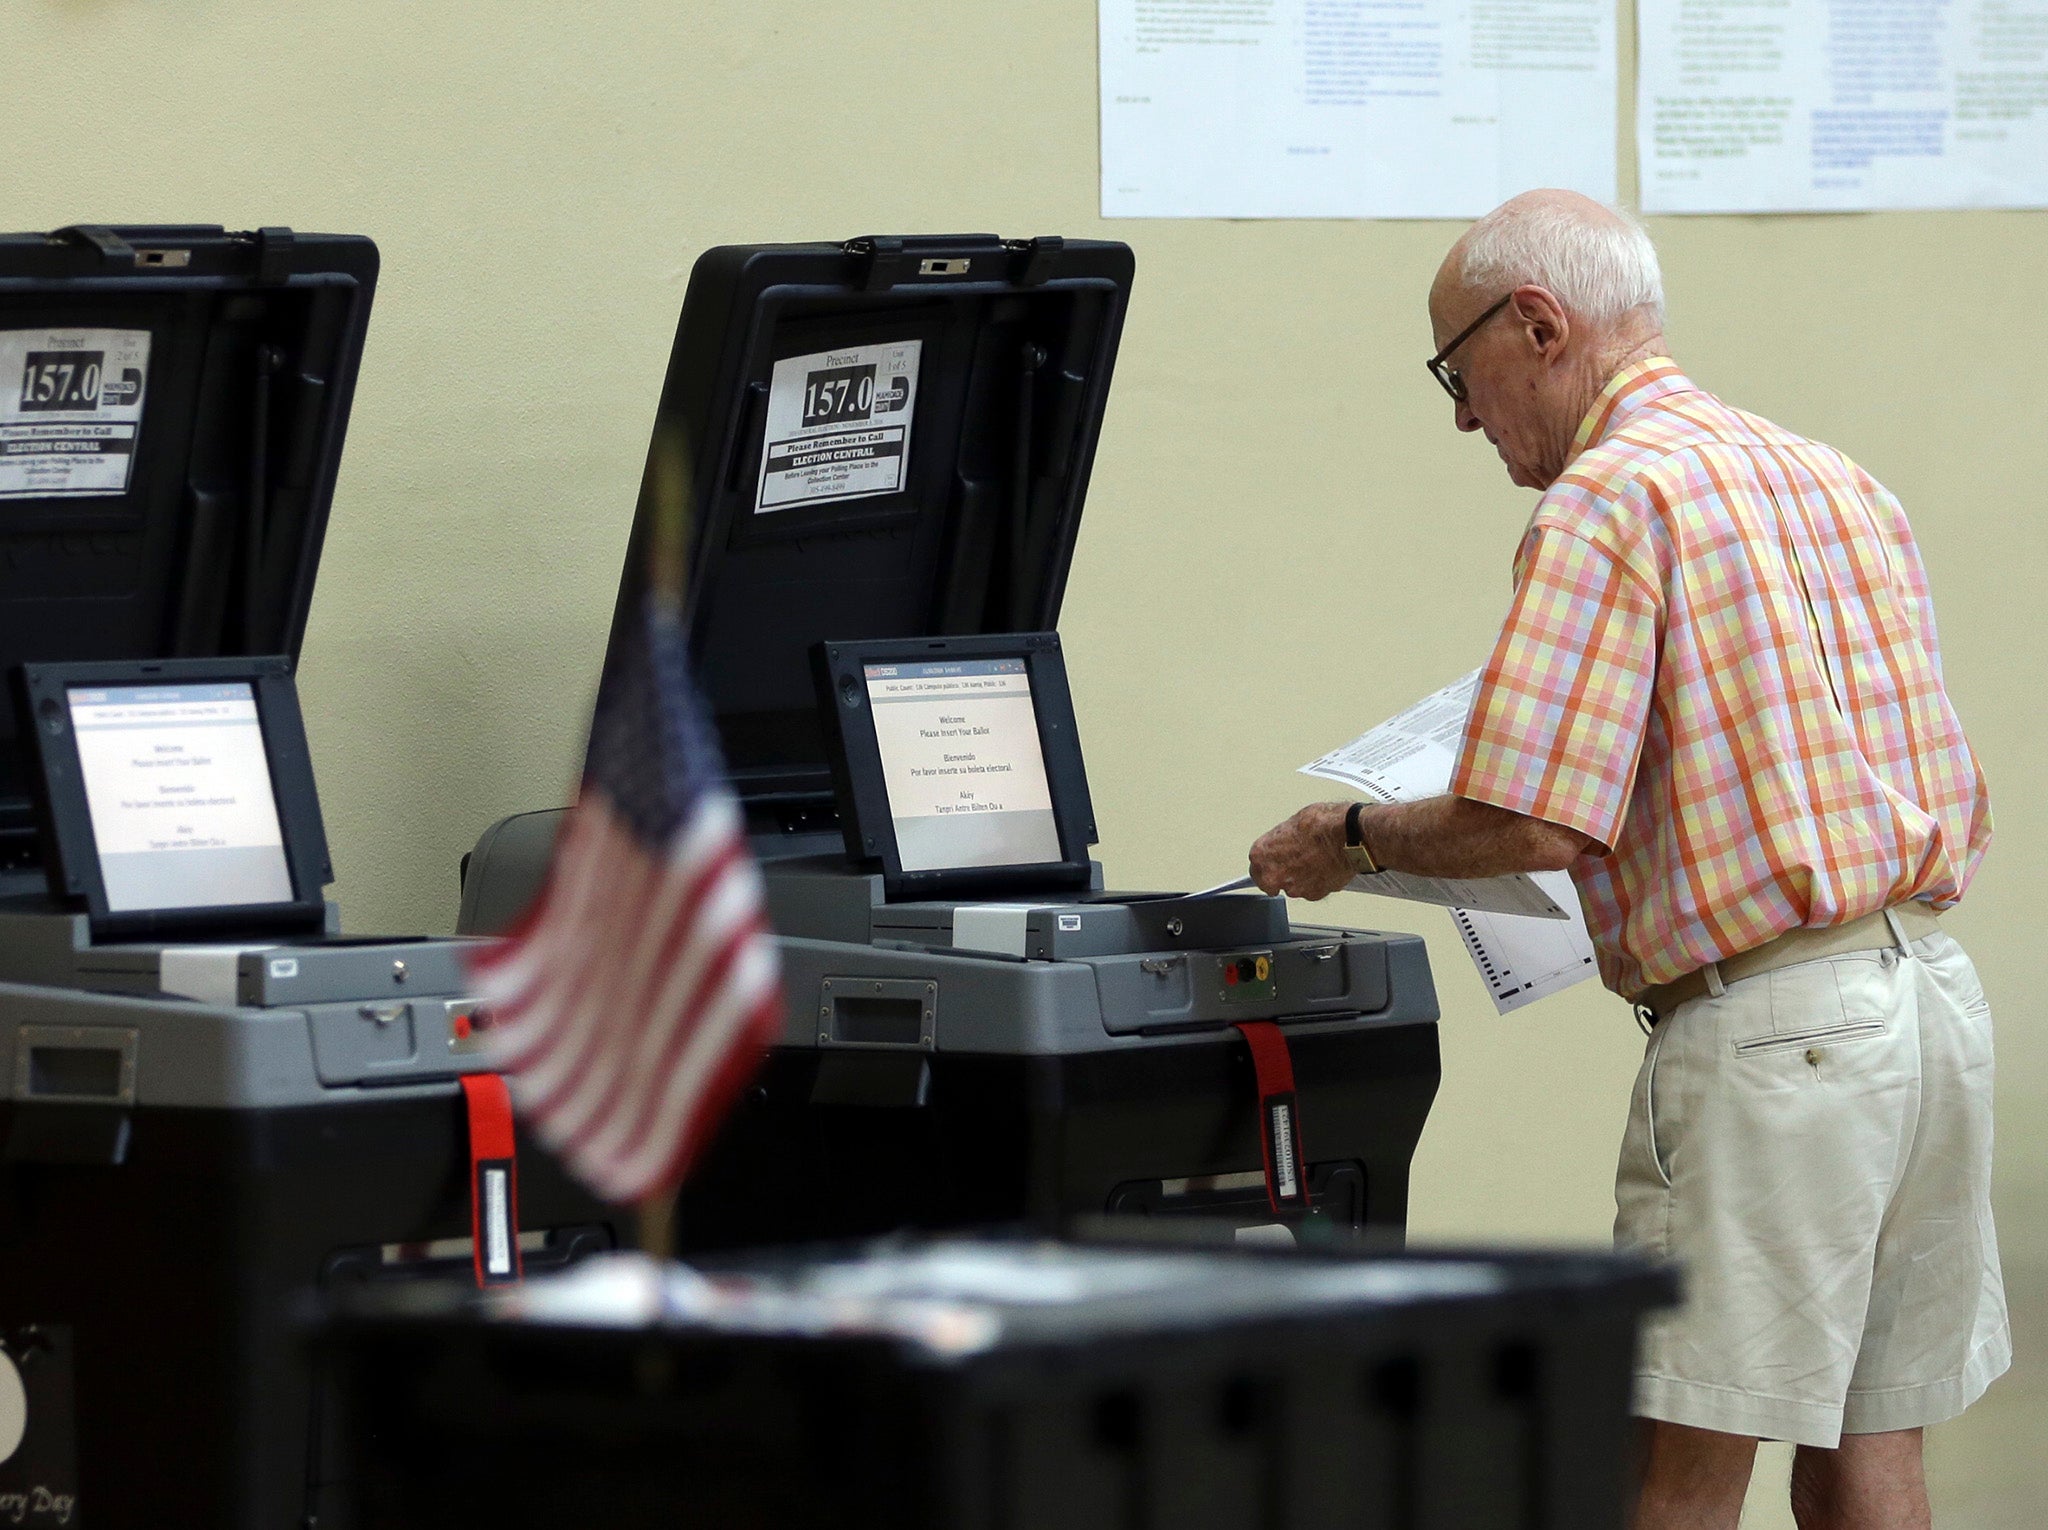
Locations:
column 1454, row 384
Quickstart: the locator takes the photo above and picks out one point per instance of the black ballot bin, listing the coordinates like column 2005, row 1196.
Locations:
column 1007, row 1386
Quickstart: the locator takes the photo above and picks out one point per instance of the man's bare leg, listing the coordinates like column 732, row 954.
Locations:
column 1693, row 1479
column 1872, row 1482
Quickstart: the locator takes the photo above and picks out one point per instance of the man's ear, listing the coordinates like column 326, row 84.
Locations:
column 1543, row 320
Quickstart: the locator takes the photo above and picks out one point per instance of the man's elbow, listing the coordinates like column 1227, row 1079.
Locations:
column 1535, row 844
column 1553, row 847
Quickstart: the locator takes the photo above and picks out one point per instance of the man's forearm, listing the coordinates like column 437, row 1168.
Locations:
column 1456, row 837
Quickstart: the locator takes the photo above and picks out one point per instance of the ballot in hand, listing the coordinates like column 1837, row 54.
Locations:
column 1301, row 857
column 1235, row 884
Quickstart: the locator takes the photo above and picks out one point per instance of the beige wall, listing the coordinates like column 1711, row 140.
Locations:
column 1285, row 538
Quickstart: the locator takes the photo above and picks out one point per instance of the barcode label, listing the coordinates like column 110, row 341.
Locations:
column 1282, row 1117
column 497, row 1224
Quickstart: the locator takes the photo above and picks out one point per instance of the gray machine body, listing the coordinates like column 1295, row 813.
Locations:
column 1052, row 975
column 235, row 1027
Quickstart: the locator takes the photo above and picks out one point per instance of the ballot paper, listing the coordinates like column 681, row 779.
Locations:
column 1521, row 958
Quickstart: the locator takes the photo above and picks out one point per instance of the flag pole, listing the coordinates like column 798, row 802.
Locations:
column 666, row 481
column 658, row 1225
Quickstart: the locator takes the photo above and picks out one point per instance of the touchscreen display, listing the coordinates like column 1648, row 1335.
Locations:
column 962, row 763
column 178, row 786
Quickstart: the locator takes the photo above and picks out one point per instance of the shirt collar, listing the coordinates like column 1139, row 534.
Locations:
column 1630, row 389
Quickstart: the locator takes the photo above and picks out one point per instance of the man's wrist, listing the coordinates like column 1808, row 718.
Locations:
column 1356, row 850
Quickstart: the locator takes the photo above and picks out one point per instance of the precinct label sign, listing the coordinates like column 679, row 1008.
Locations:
column 70, row 410
column 838, row 425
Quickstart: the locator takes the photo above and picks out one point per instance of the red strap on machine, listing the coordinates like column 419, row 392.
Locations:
column 1279, row 1117
column 493, row 1180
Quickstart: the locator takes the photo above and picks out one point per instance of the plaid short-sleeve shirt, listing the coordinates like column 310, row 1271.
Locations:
column 1720, row 663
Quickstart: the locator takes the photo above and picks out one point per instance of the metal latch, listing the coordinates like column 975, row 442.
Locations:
column 1159, row 966
column 382, row 1014
column 943, row 267
column 1322, row 953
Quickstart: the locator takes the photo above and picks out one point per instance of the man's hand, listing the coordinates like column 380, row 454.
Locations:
column 1304, row 857
column 1436, row 837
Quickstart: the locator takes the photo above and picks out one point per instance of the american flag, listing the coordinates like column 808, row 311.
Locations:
column 634, row 999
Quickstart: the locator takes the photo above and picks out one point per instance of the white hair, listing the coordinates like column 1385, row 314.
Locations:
column 1600, row 268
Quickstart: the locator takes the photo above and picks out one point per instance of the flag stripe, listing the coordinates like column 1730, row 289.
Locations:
column 639, row 992
column 716, row 906
column 553, row 1064
column 721, row 1089
column 689, row 1066
column 622, row 879
column 542, row 967
column 655, row 1055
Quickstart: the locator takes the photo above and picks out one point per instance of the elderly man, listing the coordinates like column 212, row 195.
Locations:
column 1717, row 701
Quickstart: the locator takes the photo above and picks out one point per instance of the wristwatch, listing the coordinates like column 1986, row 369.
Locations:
column 1354, row 842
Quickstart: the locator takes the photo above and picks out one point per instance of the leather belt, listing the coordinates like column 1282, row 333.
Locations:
column 1873, row 932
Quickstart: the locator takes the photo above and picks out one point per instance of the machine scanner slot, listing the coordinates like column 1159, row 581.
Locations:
column 876, row 1012
column 88, row 1064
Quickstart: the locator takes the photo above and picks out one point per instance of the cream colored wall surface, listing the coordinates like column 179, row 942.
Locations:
column 1285, row 539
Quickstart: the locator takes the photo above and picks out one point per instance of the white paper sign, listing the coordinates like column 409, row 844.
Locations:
column 1352, row 108
column 1764, row 106
column 70, row 410
column 838, row 425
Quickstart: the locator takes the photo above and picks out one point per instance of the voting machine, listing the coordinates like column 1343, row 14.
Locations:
column 214, row 1103
column 886, row 445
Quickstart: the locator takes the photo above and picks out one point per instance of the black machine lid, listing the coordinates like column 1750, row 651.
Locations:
column 885, row 438
column 172, row 406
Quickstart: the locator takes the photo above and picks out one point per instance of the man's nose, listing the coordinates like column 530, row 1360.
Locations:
column 1467, row 420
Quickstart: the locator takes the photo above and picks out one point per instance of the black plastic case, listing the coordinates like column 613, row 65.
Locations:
column 1474, row 1391
column 210, row 546
column 1017, row 340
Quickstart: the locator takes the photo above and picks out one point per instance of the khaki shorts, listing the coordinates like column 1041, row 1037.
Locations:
column 1813, row 1146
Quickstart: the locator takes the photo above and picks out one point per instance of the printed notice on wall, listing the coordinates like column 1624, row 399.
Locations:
column 838, row 425
column 1352, row 108
column 70, row 410
column 1842, row 105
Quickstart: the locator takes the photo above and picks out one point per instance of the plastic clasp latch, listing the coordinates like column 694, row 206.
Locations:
column 274, row 255
column 883, row 255
column 114, row 250
column 1040, row 255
